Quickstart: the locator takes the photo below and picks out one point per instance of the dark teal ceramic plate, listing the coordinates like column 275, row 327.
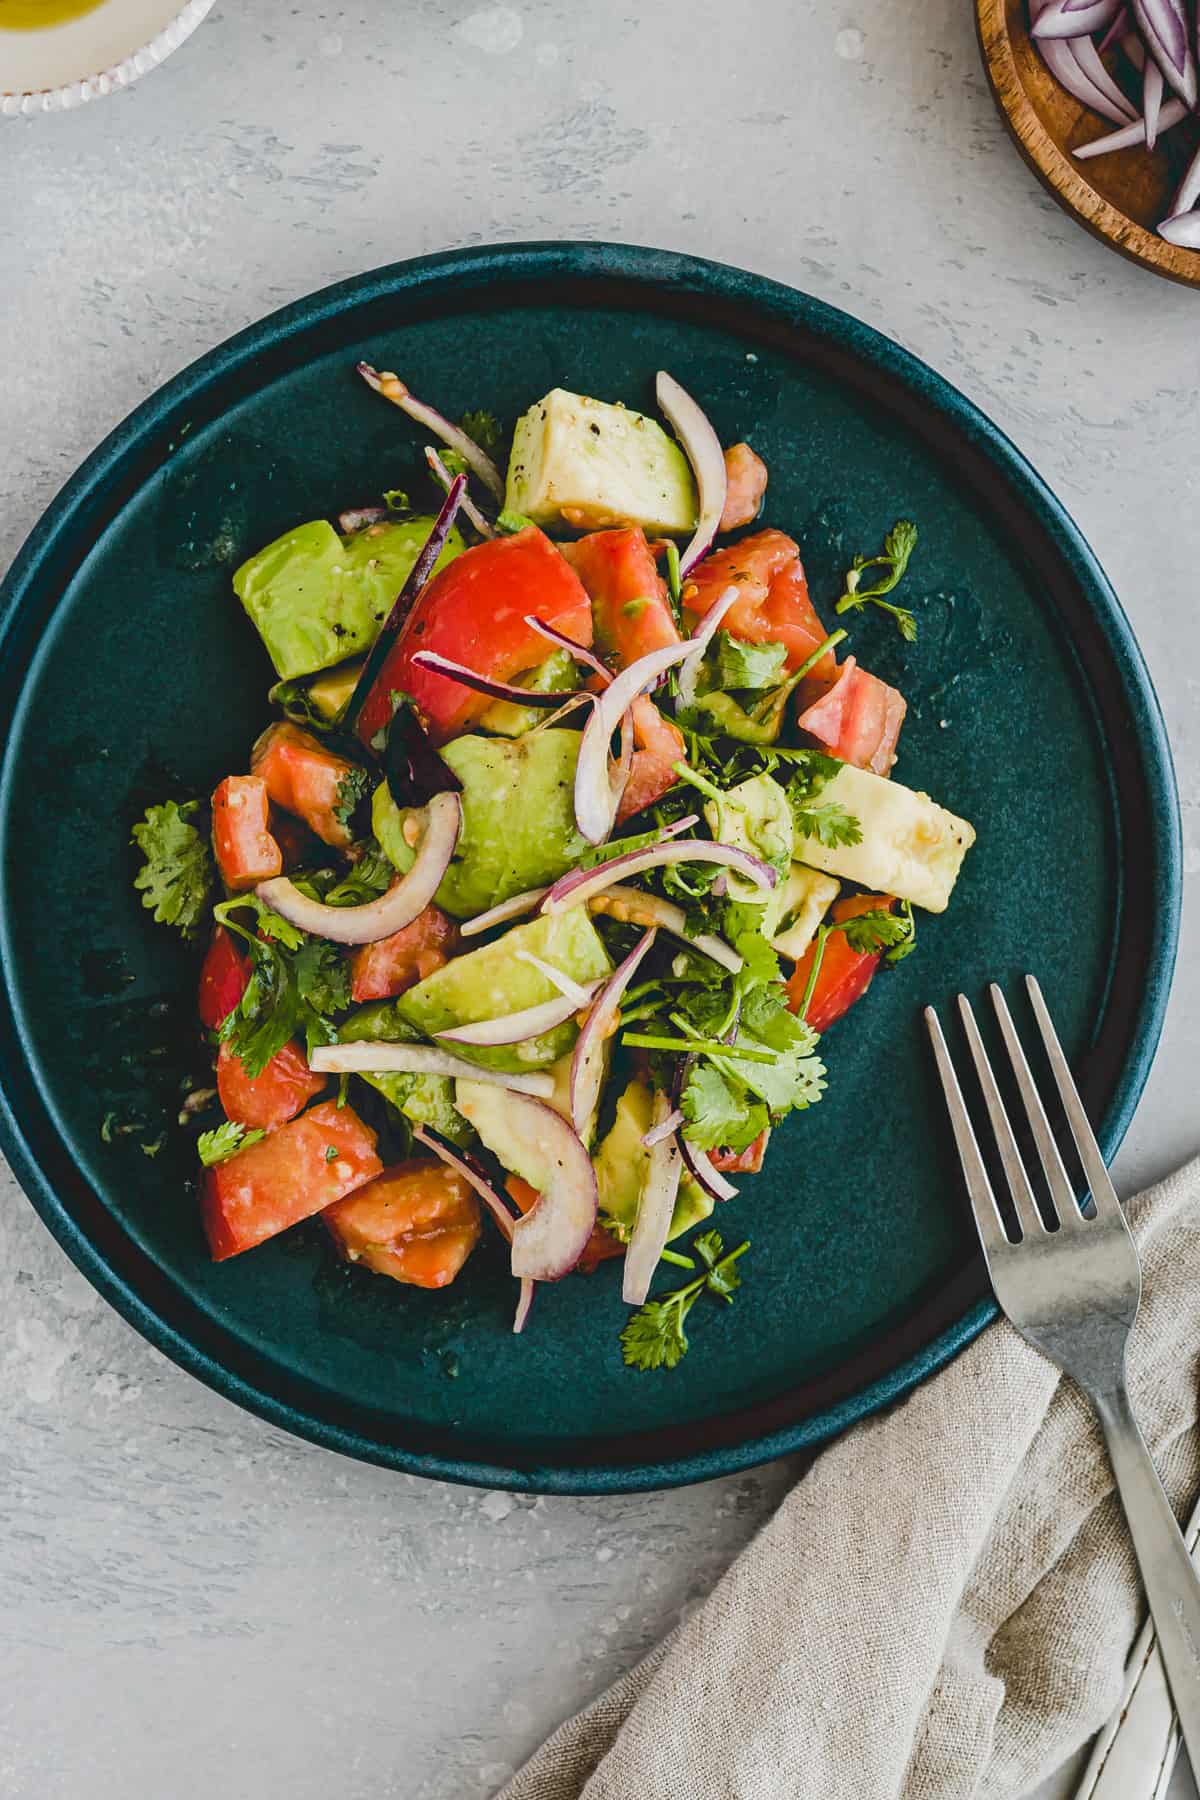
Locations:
column 128, row 671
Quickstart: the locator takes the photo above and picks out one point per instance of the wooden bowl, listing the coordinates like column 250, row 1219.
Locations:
column 1120, row 197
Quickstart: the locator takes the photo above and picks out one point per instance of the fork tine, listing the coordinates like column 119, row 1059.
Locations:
column 1025, row 1205
column 1062, row 1193
column 1103, row 1192
column 988, row 1223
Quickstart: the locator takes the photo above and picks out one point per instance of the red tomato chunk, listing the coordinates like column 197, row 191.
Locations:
column 858, row 720
column 745, row 485
column 261, row 1102
column 304, row 777
column 223, row 979
column 384, row 969
column 773, row 604
column 293, row 1173
column 473, row 611
column 630, row 610
column 845, row 974
column 417, row 1222
column 246, row 851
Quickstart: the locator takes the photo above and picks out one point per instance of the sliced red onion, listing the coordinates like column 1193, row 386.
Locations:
column 579, row 885
column 1059, row 56
column 640, row 908
column 514, row 908
column 595, row 808
column 357, row 516
column 702, row 1171
column 1153, row 82
column 1130, row 135
column 407, row 897
column 366, row 1058
column 580, row 652
column 1121, row 25
column 415, row 580
column 1095, row 71
column 1164, row 26
column 571, row 990
column 393, row 389
column 517, row 1027
column 1075, row 18
column 656, row 1204
column 472, row 1171
column 588, row 1060
column 444, row 479
column 568, row 706
column 1188, row 193
column 551, row 1237
column 1182, row 230
column 524, row 1302
column 703, row 449
column 663, row 1129
column 483, row 684
column 620, row 768
column 689, row 668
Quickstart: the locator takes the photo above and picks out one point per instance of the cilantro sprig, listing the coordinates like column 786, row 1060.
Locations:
column 223, row 1141
column 893, row 935
column 297, row 985
column 655, row 1336
column 898, row 547
column 179, row 871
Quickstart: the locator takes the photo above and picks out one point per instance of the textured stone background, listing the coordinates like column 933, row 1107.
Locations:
column 193, row 1603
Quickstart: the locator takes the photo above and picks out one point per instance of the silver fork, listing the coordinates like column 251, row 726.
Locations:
column 1072, row 1291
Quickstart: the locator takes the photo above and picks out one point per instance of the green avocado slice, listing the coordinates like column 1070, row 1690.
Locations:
column 621, row 1163
column 316, row 598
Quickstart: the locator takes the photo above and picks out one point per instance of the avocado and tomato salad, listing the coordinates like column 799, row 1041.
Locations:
column 573, row 832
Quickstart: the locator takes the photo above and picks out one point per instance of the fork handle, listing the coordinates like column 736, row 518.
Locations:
column 1172, row 1585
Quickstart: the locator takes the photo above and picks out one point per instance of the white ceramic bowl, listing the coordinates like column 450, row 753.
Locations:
column 96, row 53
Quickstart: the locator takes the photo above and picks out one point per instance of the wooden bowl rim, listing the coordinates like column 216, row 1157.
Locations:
column 1060, row 172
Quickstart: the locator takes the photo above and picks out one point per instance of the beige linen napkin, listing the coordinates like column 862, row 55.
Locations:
column 940, row 1610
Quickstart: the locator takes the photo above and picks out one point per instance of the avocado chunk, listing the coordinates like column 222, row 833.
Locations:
column 911, row 847
column 424, row 1099
column 316, row 598
column 493, row 981
column 557, row 675
column 621, row 1163
column 592, row 464
column 805, row 898
column 755, row 816
column 518, row 828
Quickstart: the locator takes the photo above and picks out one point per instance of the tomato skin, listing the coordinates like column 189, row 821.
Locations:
column 745, row 485
column 630, row 609
column 773, row 605
column 223, row 979
column 417, row 1222
column 245, row 850
column 857, row 720
column 286, row 1177
column 742, row 1162
column 262, row 1102
column 845, row 974
column 473, row 611
column 303, row 777
column 384, row 969
column 651, row 773
column 600, row 1246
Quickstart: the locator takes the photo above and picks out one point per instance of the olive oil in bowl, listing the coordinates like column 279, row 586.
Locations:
column 38, row 15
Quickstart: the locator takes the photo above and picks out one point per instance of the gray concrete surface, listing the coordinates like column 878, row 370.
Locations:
column 194, row 1604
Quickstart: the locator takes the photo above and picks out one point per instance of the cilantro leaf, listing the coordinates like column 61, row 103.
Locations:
column 179, row 871
column 484, row 427
column 882, row 929
column 654, row 1337
column 293, row 990
column 509, row 523
column 371, row 875
column 716, row 1112
column 898, row 547
column 269, row 923
column 830, row 823
column 352, row 789
column 737, row 664
column 224, row 1141
column 396, row 500
column 454, row 462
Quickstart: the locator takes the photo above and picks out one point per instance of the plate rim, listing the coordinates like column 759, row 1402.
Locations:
column 651, row 269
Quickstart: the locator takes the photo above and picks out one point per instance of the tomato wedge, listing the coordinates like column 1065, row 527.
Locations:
column 742, row 1162
column 858, row 719
column 294, row 1172
column 417, row 1222
column 474, row 612
column 630, row 609
column 223, row 979
column 651, row 773
column 745, row 485
column 773, row 604
column 384, row 969
column 306, row 778
column 262, row 1102
column 246, row 851
column 600, row 1246
column 845, row 974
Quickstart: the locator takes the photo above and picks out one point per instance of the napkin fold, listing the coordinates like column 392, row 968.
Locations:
column 941, row 1609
